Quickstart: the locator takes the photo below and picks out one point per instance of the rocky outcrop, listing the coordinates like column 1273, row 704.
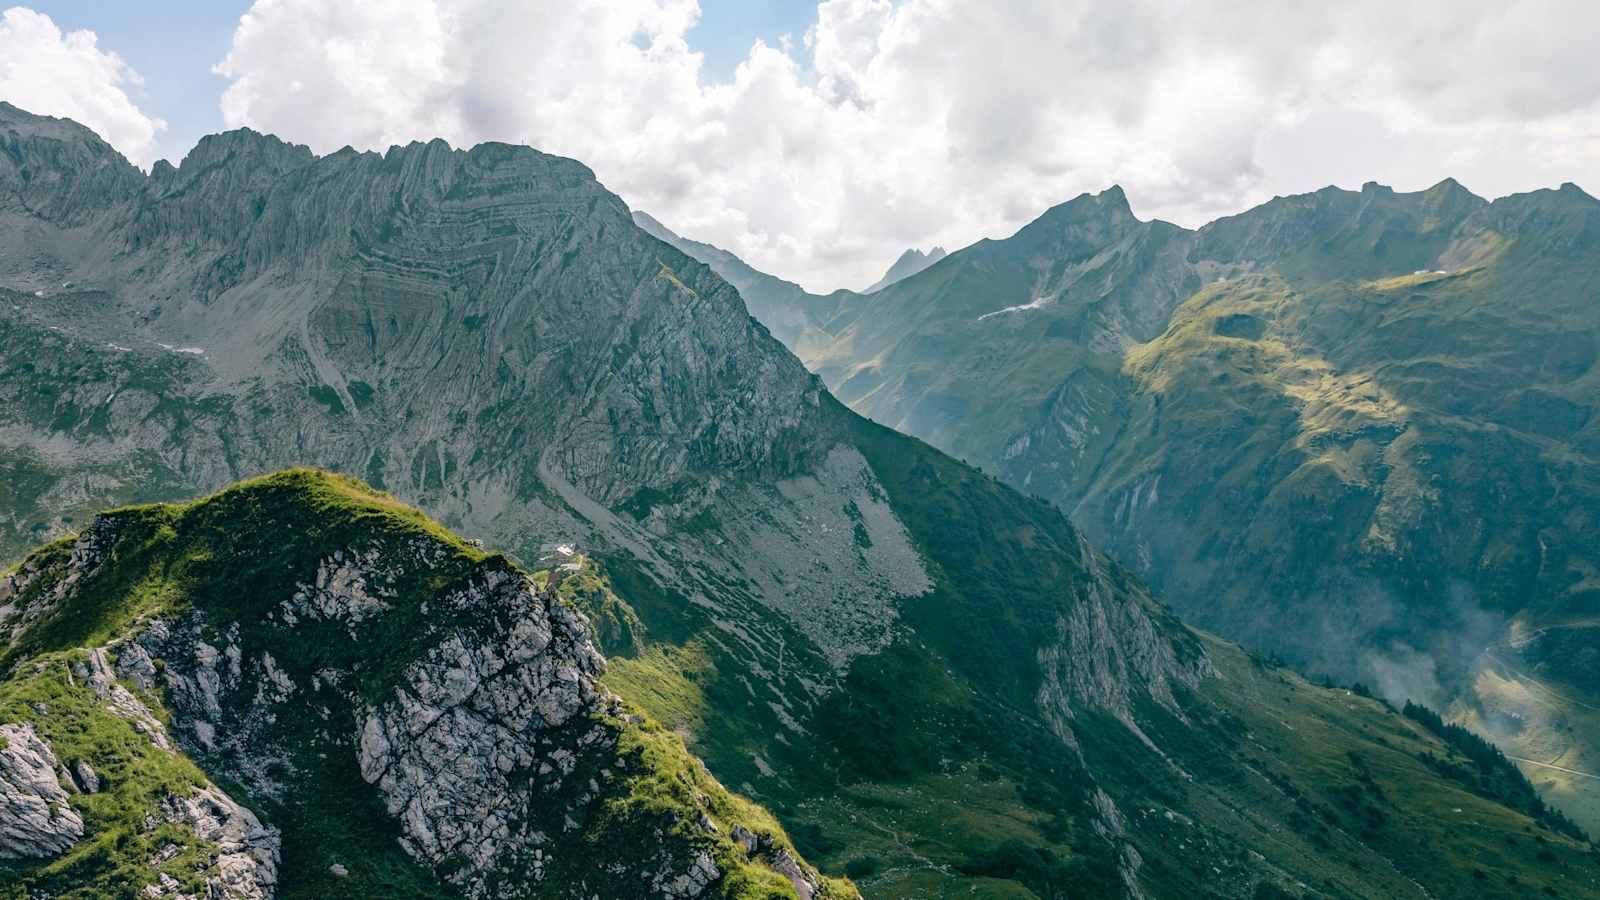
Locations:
column 479, row 732
column 244, row 851
column 1108, row 652
column 246, row 854
column 804, row 882
column 37, row 587
column 494, row 747
column 35, row 818
column 83, row 775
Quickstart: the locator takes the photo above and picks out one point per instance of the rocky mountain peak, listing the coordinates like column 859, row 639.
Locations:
column 58, row 169
column 1448, row 187
column 910, row 263
column 19, row 122
column 1110, row 204
column 1373, row 232
column 244, row 147
column 527, row 249
column 378, row 666
column 1563, row 221
column 1081, row 226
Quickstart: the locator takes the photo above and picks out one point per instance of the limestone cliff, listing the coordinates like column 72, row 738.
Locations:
column 460, row 699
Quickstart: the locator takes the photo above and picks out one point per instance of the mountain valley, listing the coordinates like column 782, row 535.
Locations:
column 1354, row 429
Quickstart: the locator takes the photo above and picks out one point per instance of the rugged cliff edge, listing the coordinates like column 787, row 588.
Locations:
column 402, row 713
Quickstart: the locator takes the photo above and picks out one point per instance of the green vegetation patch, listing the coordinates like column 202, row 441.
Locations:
column 615, row 627
column 328, row 397
column 267, row 532
column 664, row 681
column 118, row 848
column 1487, row 771
column 668, row 791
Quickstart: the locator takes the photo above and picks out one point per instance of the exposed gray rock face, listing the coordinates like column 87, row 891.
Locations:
column 34, row 590
column 1105, row 649
column 35, row 819
column 57, row 169
column 1109, row 824
column 339, row 593
column 473, row 735
column 492, row 749
column 85, row 776
column 119, row 700
column 247, row 851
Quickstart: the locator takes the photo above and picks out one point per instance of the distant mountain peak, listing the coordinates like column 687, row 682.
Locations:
column 651, row 223
column 1108, row 205
column 1568, row 187
column 910, row 263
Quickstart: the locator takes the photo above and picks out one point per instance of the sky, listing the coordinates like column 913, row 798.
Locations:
column 820, row 140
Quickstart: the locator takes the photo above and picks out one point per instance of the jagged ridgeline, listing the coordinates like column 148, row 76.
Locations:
column 1355, row 428
column 934, row 683
column 300, row 687
column 1332, row 422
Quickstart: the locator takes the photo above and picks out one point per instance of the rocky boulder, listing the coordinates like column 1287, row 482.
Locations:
column 35, row 818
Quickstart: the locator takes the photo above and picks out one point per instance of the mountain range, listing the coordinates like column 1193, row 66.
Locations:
column 919, row 681
column 1354, row 429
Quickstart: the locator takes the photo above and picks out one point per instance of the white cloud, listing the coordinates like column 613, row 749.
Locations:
column 47, row 72
column 916, row 122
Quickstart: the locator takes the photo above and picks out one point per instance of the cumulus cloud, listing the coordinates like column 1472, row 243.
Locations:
column 910, row 123
column 45, row 71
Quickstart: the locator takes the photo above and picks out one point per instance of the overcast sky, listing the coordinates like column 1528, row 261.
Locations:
column 818, row 141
